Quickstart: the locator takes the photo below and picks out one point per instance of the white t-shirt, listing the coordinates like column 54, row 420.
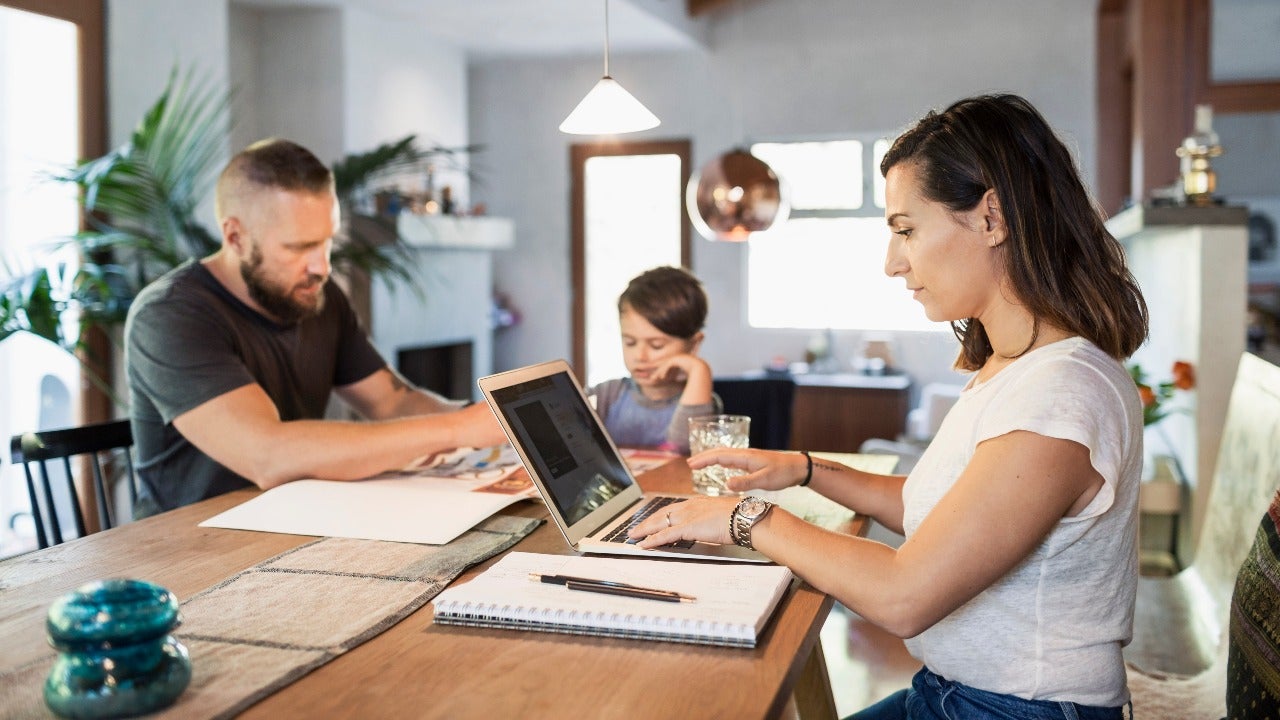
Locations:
column 1052, row 628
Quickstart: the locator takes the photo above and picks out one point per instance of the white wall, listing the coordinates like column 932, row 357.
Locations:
column 245, row 40
column 299, row 93
column 397, row 82
column 148, row 38
column 774, row 70
column 145, row 39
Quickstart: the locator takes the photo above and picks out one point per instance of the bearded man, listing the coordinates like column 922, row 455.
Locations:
column 231, row 359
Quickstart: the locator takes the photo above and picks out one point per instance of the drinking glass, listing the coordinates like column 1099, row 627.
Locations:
column 717, row 431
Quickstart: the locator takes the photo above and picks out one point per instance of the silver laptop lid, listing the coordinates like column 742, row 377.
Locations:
column 564, row 446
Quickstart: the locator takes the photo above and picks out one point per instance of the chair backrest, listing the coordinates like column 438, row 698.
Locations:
column 92, row 441
column 767, row 401
column 936, row 400
column 1245, row 479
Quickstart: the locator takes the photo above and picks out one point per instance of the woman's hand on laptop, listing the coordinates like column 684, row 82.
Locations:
column 705, row 519
column 766, row 469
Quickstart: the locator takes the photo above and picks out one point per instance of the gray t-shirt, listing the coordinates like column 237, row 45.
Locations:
column 188, row 340
column 634, row 420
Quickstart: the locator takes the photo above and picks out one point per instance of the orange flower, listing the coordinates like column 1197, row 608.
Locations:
column 1184, row 375
column 1147, row 395
column 1155, row 395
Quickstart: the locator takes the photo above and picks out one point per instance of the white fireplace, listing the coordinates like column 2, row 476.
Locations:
column 451, row 319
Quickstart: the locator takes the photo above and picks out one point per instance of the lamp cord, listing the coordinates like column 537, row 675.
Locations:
column 606, row 38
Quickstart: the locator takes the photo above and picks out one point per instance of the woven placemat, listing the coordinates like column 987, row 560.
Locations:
column 262, row 628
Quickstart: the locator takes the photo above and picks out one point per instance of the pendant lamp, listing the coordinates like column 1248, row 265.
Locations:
column 608, row 109
column 735, row 195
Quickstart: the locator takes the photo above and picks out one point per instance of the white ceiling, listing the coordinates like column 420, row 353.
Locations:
column 495, row 28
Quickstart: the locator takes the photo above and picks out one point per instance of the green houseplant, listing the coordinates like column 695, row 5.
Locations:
column 139, row 202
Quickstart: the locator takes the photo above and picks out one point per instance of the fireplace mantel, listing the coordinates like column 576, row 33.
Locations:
column 463, row 233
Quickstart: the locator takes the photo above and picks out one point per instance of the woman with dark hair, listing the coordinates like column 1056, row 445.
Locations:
column 1016, row 582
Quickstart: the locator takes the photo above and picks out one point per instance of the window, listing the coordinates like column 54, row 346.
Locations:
column 824, row 267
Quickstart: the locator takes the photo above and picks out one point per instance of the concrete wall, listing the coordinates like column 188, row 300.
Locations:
column 398, row 82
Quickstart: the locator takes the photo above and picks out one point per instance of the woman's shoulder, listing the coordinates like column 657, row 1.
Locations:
column 1075, row 357
column 1073, row 368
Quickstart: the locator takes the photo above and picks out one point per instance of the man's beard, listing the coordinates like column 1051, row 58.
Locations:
column 273, row 298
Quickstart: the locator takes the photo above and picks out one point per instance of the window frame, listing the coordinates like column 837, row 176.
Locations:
column 868, row 210
column 869, row 171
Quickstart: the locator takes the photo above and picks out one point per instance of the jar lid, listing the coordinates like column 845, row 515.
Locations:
column 112, row 612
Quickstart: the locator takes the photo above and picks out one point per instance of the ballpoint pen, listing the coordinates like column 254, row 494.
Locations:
column 611, row 587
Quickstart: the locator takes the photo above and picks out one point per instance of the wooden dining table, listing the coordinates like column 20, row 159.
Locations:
column 422, row 670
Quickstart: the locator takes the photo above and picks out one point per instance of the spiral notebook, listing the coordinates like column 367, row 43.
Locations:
column 732, row 607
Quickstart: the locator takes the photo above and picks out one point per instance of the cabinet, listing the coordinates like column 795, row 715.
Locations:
column 837, row 412
column 1192, row 266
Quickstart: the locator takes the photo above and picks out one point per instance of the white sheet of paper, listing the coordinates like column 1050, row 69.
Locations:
column 416, row 510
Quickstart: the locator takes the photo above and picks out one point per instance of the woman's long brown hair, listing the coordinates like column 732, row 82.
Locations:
column 1061, row 261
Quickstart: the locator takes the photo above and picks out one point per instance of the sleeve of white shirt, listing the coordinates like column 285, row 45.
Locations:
column 1070, row 399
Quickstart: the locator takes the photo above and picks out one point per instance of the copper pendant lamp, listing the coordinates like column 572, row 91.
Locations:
column 735, row 195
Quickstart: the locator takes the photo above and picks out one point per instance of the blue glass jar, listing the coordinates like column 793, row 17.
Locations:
column 116, row 657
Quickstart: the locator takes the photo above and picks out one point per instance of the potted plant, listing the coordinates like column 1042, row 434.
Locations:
column 139, row 202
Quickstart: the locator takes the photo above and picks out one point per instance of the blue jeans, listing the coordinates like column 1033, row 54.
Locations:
column 932, row 697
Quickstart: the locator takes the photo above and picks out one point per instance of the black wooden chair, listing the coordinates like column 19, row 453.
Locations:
column 40, row 449
column 767, row 401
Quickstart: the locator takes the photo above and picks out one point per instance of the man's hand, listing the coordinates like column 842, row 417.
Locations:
column 477, row 426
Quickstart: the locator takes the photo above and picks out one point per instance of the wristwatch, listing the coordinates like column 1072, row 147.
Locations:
column 748, row 512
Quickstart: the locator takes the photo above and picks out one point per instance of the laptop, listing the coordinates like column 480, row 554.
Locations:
column 588, row 489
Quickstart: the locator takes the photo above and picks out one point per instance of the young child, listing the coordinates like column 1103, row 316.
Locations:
column 661, row 313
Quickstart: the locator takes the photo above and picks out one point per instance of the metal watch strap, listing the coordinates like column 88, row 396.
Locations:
column 740, row 526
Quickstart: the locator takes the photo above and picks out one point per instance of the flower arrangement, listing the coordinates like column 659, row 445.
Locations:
column 1155, row 396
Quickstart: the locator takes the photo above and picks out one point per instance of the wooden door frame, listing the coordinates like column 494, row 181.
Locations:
column 578, row 156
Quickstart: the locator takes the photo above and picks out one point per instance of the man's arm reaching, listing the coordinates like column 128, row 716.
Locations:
column 242, row 430
column 385, row 394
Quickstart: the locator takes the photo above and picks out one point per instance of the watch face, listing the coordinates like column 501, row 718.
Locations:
column 752, row 507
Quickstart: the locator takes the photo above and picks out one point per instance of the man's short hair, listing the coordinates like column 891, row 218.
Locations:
column 271, row 163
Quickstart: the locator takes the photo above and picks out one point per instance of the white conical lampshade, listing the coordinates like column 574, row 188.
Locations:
column 608, row 110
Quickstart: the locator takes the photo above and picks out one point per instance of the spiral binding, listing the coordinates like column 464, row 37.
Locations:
column 604, row 624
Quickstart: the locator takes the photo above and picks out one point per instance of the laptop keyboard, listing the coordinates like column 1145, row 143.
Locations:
column 619, row 534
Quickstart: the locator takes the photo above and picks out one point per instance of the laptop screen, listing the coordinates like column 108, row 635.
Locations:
column 562, row 438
